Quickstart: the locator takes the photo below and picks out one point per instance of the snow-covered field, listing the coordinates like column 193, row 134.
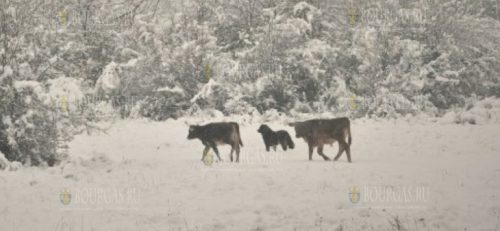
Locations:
column 147, row 176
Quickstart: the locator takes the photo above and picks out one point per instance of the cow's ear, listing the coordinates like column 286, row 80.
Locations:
column 291, row 124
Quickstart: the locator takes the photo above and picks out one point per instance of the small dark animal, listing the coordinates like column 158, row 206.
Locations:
column 214, row 134
column 319, row 132
column 272, row 138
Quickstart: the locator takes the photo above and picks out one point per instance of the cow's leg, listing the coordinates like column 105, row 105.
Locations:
column 231, row 154
column 341, row 149
column 205, row 152
column 283, row 145
column 348, row 152
column 237, row 153
column 347, row 149
column 274, row 148
column 214, row 147
column 311, row 149
column 320, row 152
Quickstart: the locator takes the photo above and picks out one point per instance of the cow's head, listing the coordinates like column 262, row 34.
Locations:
column 193, row 132
column 300, row 129
column 264, row 129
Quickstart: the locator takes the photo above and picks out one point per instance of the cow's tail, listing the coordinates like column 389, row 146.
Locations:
column 238, row 134
column 349, row 140
column 289, row 141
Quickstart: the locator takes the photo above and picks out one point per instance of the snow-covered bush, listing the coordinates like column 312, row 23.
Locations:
column 482, row 112
column 275, row 93
column 243, row 58
column 8, row 165
column 31, row 128
column 37, row 121
column 4, row 163
column 212, row 95
column 239, row 106
column 160, row 107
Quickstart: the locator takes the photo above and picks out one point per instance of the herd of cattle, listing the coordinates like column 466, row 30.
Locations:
column 316, row 133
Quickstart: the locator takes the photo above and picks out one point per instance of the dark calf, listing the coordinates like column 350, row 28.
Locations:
column 214, row 134
column 272, row 138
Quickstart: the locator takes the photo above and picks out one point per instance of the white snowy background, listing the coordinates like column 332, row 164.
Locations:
column 169, row 188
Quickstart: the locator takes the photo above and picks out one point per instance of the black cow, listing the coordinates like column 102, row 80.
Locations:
column 214, row 134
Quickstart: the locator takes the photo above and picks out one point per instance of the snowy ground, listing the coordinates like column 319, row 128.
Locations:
column 147, row 176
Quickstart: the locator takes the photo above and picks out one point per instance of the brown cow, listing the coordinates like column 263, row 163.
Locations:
column 319, row 132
